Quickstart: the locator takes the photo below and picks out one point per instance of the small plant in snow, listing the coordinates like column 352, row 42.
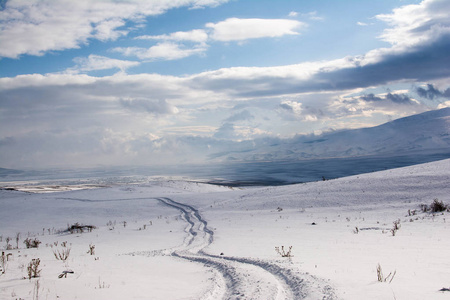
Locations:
column 79, row 228
column 102, row 284
column 91, row 250
column 437, row 206
column 381, row 277
column 284, row 253
column 411, row 212
column 33, row 270
column 3, row 260
column 17, row 240
column 32, row 243
column 63, row 254
column 8, row 245
column 395, row 227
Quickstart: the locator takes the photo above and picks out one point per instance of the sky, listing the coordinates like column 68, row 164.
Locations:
column 120, row 83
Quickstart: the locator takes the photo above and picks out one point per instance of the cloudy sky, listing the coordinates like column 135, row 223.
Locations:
column 127, row 82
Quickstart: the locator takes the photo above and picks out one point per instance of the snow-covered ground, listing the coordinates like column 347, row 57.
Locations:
column 185, row 240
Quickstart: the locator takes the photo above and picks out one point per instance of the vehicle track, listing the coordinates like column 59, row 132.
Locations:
column 235, row 277
column 245, row 278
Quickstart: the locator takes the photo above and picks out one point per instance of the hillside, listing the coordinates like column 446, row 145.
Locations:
column 429, row 131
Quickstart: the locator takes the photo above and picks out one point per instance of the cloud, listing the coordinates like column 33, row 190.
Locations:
column 196, row 35
column 431, row 92
column 149, row 106
column 96, row 62
column 394, row 97
column 163, row 51
column 417, row 24
column 244, row 115
column 293, row 14
column 377, row 67
column 291, row 107
column 362, row 24
column 231, row 132
column 294, row 111
column 37, row 26
column 313, row 16
column 234, row 29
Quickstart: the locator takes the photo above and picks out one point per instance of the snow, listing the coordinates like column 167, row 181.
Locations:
column 190, row 240
column 428, row 131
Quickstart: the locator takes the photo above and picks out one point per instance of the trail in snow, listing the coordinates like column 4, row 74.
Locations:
column 235, row 277
column 245, row 278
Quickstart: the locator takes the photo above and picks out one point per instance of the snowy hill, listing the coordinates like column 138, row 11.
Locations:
column 186, row 240
column 429, row 131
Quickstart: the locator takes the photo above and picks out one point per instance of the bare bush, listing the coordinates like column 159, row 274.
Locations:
column 91, row 250
column 3, row 260
column 63, row 254
column 284, row 253
column 395, row 227
column 33, row 270
column 380, row 276
column 80, row 228
column 437, row 206
column 32, row 243
column 17, row 240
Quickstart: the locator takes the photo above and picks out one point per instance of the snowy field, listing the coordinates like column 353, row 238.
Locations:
column 174, row 239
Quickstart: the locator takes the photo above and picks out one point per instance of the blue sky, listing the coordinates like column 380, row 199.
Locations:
column 86, row 83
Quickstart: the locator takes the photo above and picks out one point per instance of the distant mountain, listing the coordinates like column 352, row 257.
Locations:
column 429, row 131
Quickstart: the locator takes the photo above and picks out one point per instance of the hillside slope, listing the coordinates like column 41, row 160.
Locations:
column 429, row 131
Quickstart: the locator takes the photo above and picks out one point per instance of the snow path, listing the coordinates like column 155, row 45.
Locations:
column 245, row 278
column 234, row 277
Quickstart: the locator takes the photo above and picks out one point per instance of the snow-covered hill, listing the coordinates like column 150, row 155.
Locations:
column 186, row 240
column 429, row 131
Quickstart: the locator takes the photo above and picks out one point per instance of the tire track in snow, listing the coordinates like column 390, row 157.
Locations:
column 245, row 278
column 241, row 278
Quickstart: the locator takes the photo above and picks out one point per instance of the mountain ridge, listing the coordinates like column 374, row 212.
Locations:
column 428, row 131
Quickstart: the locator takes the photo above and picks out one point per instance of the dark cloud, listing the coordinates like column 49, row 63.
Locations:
column 431, row 92
column 422, row 63
column 396, row 98
column 418, row 63
column 371, row 98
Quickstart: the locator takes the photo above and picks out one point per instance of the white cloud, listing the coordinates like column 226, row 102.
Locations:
column 35, row 27
column 294, row 111
column 196, row 35
column 164, row 51
column 149, row 106
column 362, row 24
column 417, row 24
column 229, row 131
column 235, row 29
column 293, row 14
column 97, row 62
column 444, row 104
column 313, row 16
